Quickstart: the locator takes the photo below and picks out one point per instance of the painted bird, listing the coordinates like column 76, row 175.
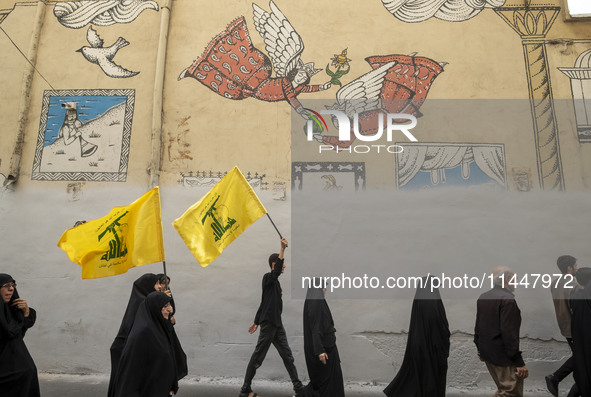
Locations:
column 103, row 56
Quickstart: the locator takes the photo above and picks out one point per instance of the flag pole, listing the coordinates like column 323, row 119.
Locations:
column 165, row 276
column 273, row 223
column 161, row 236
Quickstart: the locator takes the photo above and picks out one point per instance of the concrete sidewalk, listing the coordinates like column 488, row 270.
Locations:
column 57, row 385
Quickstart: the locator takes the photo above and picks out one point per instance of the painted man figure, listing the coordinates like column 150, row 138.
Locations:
column 496, row 335
column 268, row 317
column 561, row 293
column 70, row 132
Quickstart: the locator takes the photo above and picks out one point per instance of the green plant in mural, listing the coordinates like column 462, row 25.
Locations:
column 340, row 61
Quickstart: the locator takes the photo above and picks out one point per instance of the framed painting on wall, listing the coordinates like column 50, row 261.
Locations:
column 84, row 135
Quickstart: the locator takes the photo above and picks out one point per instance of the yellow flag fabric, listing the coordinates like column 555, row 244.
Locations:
column 127, row 237
column 211, row 224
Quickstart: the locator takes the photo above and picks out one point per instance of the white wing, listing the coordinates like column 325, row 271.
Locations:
column 283, row 44
column 363, row 93
column 111, row 69
column 93, row 38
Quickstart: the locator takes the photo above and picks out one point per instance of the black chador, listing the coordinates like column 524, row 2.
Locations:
column 152, row 361
column 141, row 288
column 18, row 373
column 581, row 331
column 326, row 379
column 424, row 367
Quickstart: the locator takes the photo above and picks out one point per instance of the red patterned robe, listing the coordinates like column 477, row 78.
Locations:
column 404, row 90
column 231, row 67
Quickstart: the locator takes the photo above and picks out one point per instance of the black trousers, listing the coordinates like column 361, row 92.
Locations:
column 270, row 334
column 565, row 369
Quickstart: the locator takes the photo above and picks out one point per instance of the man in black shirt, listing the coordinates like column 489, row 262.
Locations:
column 496, row 335
column 272, row 332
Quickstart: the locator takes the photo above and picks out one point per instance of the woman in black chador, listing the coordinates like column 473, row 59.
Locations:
column 147, row 283
column 152, row 361
column 320, row 348
column 424, row 367
column 18, row 373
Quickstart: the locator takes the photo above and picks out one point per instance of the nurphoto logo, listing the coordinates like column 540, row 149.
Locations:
column 395, row 122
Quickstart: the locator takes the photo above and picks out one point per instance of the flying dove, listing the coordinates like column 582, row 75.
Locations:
column 103, row 56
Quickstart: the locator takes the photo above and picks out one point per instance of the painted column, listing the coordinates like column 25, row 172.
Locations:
column 156, row 158
column 532, row 24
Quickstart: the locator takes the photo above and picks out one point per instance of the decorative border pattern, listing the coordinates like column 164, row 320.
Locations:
column 298, row 168
column 210, row 178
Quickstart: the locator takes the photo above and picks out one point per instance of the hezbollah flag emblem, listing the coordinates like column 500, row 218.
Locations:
column 211, row 224
column 127, row 237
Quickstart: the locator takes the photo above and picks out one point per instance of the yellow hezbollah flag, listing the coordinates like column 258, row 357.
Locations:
column 211, row 224
column 129, row 236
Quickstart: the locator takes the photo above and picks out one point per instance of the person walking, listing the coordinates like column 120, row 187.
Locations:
column 320, row 346
column 496, row 335
column 424, row 367
column 562, row 290
column 145, row 284
column 581, row 331
column 268, row 317
column 153, row 360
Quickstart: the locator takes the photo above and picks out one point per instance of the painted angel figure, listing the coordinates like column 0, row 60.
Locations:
column 231, row 67
column 397, row 84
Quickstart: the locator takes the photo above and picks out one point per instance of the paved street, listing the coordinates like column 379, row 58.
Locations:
column 96, row 386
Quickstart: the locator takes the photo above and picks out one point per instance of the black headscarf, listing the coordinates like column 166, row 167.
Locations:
column 11, row 318
column 581, row 332
column 141, row 288
column 326, row 380
column 153, row 360
column 18, row 373
column 424, row 367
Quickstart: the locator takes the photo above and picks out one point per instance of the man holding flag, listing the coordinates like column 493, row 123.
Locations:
column 207, row 228
column 268, row 317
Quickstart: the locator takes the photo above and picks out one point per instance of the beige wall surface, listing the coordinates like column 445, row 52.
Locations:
column 12, row 64
column 500, row 173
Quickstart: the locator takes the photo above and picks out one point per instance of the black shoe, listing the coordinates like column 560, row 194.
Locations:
column 552, row 385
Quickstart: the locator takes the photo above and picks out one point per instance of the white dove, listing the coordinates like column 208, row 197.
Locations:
column 103, row 56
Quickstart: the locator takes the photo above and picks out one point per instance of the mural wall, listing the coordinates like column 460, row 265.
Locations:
column 100, row 100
